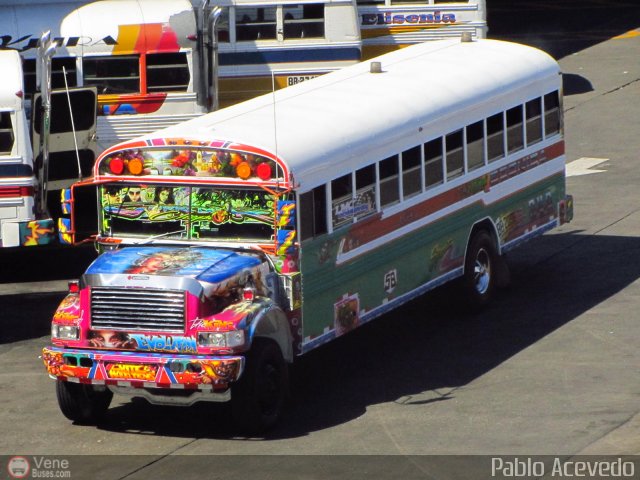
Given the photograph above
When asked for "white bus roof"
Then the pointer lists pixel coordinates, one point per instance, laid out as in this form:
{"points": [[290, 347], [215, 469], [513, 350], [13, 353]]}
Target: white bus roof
{"points": [[11, 85], [323, 128]]}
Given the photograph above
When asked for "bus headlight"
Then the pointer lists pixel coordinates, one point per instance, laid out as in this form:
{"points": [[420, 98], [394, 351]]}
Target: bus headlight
{"points": [[65, 332], [234, 338]]}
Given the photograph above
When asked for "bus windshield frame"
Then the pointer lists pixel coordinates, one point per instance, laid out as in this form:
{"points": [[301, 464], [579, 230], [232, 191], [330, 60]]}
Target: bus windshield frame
{"points": [[187, 212]]}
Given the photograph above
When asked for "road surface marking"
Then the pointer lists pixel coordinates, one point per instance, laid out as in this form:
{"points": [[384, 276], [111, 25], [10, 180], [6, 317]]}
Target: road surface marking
{"points": [[583, 166]]}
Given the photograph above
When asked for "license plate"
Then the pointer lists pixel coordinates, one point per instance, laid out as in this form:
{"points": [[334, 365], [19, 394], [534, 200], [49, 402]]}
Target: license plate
{"points": [[295, 79], [131, 371]]}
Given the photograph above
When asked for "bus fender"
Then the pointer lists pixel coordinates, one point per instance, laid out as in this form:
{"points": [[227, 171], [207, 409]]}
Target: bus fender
{"points": [[503, 278], [271, 322]]}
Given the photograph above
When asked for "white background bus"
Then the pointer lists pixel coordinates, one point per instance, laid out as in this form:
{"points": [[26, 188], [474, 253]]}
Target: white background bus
{"points": [[326, 204], [23, 217], [386, 25]]}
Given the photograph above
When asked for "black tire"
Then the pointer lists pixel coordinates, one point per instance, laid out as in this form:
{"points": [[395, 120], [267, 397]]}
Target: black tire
{"points": [[258, 397], [82, 403], [480, 270]]}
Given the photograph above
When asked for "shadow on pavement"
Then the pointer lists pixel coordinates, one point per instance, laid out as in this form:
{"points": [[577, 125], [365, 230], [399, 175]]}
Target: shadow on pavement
{"points": [[37, 264], [573, 84], [561, 27], [428, 349]]}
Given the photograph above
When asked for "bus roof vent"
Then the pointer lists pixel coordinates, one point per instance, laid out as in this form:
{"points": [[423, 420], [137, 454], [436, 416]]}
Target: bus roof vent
{"points": [[375, 67], [466, 37]]}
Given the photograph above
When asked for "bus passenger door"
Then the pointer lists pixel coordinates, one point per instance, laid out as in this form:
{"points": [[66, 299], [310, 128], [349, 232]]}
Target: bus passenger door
{"points": [[72, 150], [72, 129]]}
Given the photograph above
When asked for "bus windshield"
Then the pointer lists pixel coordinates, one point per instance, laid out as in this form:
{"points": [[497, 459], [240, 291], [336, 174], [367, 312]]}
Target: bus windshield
{"points": [[187, 212]]}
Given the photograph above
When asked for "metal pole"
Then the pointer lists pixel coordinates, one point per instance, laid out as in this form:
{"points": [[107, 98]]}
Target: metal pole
{"points": [[213, 18], [46, 50]]}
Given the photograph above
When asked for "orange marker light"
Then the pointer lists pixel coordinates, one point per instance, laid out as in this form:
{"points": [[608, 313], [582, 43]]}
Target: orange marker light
{"points": [[243, 170], [135, 166]]}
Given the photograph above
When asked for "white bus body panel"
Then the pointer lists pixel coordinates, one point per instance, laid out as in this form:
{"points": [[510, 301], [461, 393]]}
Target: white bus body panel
{"points": [[420, 82], [15, 209]]}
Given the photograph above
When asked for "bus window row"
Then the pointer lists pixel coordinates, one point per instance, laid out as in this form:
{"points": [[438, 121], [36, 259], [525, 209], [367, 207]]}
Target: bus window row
{"points": [[118, 74], [409, 2], [281, 22], [422, 167]]}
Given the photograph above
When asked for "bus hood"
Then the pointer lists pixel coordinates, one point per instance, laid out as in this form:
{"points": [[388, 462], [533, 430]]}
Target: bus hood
{"points": [[208, 266]]}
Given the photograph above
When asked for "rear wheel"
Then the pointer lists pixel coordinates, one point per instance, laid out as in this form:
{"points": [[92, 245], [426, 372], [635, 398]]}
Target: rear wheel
{"points": [[258, 397], [480, 269], [82, 403]]}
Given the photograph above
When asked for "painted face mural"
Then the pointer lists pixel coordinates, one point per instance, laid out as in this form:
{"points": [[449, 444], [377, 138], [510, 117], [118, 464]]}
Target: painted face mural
{"points": [[164, 262], [110, 339]]}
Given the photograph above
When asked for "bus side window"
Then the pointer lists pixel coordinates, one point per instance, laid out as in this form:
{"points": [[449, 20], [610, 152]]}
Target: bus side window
{"points": [[551, 113], [313, 217], [389, 185], [495, 137], [455, 154], [433, 174], [303, 21], [6, 133], [341, 200], [112, 74], [475, 145], [515, 138], [411, 178], [222, 27], [365, 191], [533, 112], [255, 23], [59, 66], [167, 72]]}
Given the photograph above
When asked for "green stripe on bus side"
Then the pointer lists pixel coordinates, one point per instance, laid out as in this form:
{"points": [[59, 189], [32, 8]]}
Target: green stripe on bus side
{"points": [[417, 257]]}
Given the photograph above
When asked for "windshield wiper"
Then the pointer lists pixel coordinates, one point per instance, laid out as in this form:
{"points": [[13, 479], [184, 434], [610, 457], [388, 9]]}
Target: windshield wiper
{"points": [[154, 237]]}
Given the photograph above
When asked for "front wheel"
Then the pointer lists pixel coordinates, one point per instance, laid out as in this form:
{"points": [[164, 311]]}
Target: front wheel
{"points": [[82, 403], [258, 397], [480, 270]]}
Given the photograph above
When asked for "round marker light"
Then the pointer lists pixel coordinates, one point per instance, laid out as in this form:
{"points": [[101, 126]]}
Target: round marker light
{"points": [[116, 165], [135, 166], [243, 170], [263, 171]]}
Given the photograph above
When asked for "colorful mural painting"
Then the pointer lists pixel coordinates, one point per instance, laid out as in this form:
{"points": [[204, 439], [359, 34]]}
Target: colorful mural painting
{"points": [[191, 162], [137, 370]]}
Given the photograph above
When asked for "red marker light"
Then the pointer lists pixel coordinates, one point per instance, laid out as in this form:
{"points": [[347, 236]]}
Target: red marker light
{"points": [[116, 165], [263, 171], [74, 286]]}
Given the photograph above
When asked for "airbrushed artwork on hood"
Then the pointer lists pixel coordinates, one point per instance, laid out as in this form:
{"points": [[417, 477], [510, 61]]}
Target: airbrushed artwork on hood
{"points": [[204, 264]]}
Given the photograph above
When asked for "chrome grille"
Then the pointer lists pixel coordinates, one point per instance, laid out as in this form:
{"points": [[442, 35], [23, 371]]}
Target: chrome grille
{"points": [[133, 309]]}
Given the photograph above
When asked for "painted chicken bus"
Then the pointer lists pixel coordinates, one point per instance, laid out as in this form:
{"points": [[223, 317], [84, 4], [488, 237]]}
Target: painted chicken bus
{"points": [[235, 242]]}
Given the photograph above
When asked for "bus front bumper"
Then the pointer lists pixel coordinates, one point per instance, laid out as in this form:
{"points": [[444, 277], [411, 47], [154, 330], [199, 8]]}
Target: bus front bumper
{"points": [[142, 370]]}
